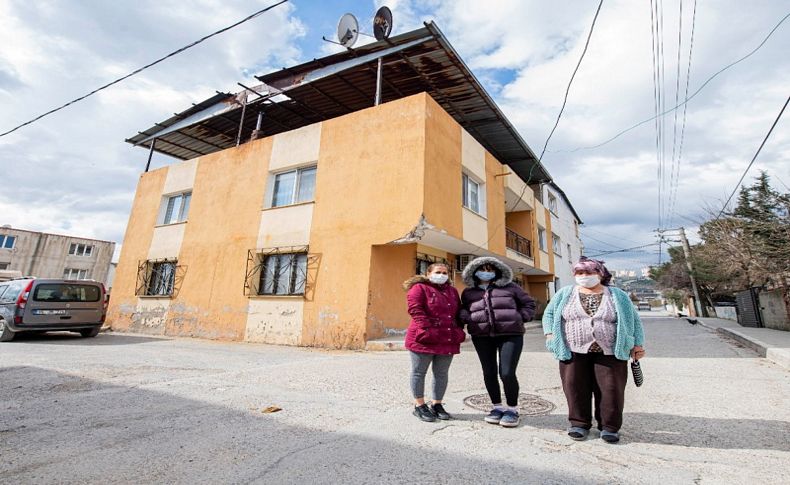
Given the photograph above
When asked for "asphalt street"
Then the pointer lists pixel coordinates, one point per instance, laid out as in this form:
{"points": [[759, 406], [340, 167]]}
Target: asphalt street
{"points": [[126, 408]]}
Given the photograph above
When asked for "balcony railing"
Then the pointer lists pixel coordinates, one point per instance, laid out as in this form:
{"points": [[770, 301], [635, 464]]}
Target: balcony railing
{"points": [[518, 243]]}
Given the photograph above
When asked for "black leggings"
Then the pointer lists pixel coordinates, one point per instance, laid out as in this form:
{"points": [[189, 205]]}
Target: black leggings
{"points": [[509, 349]]}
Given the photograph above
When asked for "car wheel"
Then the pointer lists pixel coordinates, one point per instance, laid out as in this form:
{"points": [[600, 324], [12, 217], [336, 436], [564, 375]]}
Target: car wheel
{"points": [[91, 332], [6, 335]]}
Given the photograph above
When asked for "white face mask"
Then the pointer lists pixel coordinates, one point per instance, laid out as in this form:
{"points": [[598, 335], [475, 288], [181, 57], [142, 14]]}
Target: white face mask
{"points": [[437, 278], [588, 281]]}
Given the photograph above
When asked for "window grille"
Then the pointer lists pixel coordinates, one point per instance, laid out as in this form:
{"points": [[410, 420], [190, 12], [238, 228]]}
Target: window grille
{"points": [[162, 277], [283, 271]]}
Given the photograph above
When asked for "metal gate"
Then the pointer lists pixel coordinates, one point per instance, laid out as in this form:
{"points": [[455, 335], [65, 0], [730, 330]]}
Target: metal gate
{"points": [[748, 305]]}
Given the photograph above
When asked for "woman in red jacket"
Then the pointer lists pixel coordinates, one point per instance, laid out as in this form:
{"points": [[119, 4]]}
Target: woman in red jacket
{"points": [[433, 336]]}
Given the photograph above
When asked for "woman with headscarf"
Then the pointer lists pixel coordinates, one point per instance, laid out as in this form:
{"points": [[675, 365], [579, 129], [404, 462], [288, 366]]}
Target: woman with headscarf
{"points": [[593, 329]]}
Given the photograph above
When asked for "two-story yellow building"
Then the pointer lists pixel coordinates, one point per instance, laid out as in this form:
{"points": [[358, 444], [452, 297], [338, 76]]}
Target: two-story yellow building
{"points": [[300, 205]]}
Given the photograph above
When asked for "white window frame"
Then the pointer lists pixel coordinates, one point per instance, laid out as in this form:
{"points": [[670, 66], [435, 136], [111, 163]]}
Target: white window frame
{"points": [[181, 213], [4, 239], [467, 181], [75, 274], [542, 239], [556, 244], [297, 185], [552, 204], [81, 250]]}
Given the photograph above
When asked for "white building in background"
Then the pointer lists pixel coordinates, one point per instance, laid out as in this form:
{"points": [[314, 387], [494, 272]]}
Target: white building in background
{"points": [[564, 237]]}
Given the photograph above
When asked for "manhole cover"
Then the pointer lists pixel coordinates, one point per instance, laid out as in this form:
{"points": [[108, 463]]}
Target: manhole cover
{"points": [[528, 404]]}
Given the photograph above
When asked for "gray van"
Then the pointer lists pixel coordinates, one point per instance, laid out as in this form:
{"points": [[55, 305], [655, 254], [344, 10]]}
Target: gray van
{"points": [[40, 305]]}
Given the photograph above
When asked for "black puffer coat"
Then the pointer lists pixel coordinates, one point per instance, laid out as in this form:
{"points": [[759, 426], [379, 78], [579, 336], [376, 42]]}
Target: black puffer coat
{"points": [[500, 309]]}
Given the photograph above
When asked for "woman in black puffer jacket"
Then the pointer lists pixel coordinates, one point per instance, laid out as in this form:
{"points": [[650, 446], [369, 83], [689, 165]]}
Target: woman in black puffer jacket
{"points": [[494, 310]]}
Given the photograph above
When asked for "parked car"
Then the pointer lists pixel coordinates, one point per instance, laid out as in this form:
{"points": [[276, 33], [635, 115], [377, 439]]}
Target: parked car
{"points": [[643, 305], [40, 305]]}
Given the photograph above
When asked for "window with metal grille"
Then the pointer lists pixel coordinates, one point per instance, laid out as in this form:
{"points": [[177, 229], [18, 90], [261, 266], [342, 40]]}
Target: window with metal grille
{"points": [[294, 187], [162, 279], [177, 208], [75, 274], [283, 274], [425, 260]]}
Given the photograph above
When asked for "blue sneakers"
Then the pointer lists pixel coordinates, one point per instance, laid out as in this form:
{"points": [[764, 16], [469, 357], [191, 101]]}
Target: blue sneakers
{"points": [[509, 419], [494, 416]]}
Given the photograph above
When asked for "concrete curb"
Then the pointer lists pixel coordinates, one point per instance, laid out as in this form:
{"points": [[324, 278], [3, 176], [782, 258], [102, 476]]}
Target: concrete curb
{"points": [[396, 343], [778, 356]]}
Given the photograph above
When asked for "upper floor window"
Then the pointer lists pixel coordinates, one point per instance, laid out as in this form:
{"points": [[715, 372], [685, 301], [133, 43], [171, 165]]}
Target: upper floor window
{"points": [[542, 239], [75, 274], [552, 204], [7, 242], [471, 194], [569, 253], [80, 249], [4, 266], [294, 187], [177, 208], [556, 244]]}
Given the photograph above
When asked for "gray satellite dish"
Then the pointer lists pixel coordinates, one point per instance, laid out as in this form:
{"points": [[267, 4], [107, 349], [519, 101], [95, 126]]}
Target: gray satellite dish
{"points": [[382, 23], [347, 30]]}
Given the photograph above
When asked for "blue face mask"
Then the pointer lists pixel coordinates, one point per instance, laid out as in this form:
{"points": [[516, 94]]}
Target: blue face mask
{"points": [[485, 275]]}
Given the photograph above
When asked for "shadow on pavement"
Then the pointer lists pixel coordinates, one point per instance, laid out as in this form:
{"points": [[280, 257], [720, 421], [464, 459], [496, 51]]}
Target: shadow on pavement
{"points": [[70, 338], [59, 427], [697, 432]]}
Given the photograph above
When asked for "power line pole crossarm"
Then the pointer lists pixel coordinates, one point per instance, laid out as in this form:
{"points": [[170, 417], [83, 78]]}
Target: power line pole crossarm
{"points": [[700, 309]]}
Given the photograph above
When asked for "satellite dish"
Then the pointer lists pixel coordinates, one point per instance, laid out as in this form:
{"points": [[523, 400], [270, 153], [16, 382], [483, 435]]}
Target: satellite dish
{"points": [[347, 30], [382, 23]]}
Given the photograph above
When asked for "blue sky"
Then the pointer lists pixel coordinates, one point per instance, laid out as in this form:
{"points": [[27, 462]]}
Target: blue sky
{"points": [[73, 173]]}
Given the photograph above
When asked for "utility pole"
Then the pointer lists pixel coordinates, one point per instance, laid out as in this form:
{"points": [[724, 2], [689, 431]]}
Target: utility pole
{"points": [[687, 253]]}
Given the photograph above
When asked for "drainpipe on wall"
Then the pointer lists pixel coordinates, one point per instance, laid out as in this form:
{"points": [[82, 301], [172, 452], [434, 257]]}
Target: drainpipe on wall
{"points": [[35, 256]]}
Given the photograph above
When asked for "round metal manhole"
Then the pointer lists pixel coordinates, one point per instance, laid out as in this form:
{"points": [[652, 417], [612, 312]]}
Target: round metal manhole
{"points": [[528, 404]]}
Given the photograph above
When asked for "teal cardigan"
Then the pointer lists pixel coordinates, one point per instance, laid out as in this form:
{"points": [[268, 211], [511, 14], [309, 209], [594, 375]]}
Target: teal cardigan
{"points": [[629, 327]]}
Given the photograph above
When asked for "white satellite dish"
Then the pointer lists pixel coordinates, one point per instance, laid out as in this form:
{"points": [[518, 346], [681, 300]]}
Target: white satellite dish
{"points": [[347, 30]]}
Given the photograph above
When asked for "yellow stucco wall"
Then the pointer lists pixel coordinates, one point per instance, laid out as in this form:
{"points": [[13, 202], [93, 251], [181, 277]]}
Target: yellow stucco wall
{"points": [[136, 242], [495, 195], [223, 226], [357, 206], [390, 266], [442, 167]]}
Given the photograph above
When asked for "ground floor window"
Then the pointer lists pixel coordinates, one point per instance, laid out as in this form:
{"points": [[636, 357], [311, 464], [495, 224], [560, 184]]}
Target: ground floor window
{"points": [[425, 260], [75, 274], [280, 271], [159, 277], [283, 274]]}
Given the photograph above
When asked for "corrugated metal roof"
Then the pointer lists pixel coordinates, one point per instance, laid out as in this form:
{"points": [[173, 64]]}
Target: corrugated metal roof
{"points": [[418, 61]]}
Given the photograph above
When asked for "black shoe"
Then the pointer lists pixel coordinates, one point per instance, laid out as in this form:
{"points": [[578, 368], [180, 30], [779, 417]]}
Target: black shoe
{"points": [[610, 436], [440, 413], [424, 413]]}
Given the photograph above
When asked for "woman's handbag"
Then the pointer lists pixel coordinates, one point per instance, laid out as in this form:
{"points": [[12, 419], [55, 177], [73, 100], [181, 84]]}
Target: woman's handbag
{"points": [[636, 370]]}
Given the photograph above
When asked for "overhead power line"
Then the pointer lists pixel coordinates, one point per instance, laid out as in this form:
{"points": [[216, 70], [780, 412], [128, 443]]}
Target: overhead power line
{"points": [[556, 123], [618, 135], [626, 250], [753, 158], [137, 71]]}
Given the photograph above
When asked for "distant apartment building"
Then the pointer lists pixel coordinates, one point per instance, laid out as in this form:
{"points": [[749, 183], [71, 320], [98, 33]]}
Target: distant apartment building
{"points": [[44, 255], [294, 219], [562, 234]]}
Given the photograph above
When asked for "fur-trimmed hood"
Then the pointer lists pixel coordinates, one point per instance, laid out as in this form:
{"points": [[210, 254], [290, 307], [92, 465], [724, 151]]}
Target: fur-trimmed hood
{"points": [[414, 280], [474, 265]]}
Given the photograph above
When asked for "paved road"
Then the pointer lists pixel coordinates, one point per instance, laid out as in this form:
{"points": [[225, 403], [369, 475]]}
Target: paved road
{"points": [[123, 408]]}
